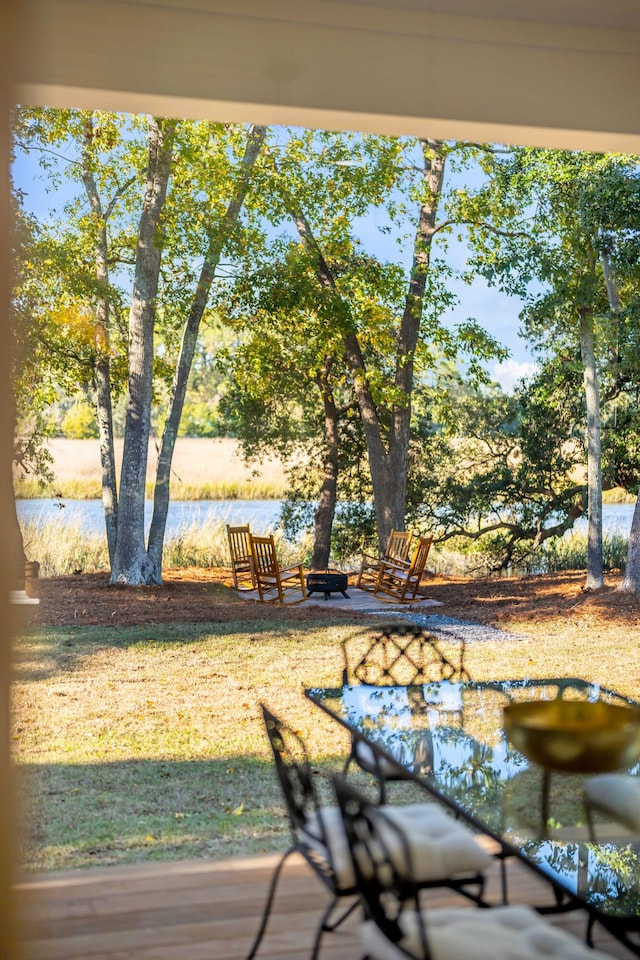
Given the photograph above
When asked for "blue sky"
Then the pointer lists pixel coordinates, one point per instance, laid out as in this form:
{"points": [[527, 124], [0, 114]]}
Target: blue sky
{"points": [[495, 311]]}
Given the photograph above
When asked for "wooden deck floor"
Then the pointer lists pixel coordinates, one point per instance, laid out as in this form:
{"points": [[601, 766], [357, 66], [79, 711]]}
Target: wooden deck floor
{"points": [[200, 910]]}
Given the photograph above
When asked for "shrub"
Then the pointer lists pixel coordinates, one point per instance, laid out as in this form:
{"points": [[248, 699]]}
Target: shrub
{"points": [[79, 423]]}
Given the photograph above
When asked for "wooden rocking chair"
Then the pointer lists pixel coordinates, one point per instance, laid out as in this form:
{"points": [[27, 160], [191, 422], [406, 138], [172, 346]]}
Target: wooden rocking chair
{"points": [[273, 581], [400, 580], [397, 552], [241, 558]]}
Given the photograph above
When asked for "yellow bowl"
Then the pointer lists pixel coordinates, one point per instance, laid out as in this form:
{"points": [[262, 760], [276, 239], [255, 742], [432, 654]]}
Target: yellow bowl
{"points": [[575, 736]]}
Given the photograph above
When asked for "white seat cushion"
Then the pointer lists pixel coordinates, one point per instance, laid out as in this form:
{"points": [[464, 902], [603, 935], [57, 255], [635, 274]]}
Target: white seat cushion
{"points": [[617, 794], [500, 933], [440, 847]]}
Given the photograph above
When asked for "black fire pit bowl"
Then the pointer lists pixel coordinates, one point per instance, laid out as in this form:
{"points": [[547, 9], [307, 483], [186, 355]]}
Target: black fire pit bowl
{"points": [[328, 582]]}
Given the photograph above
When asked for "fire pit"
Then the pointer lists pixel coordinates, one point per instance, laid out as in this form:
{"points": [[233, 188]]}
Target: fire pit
{"points": [[327, 582]]}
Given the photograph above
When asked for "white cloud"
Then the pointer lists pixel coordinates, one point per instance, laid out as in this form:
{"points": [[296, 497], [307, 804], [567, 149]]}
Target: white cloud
{"points": [[510, 371]]}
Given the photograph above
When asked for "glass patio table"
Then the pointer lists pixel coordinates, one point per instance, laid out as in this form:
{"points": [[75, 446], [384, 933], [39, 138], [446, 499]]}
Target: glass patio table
{"points": [[449, 738]]}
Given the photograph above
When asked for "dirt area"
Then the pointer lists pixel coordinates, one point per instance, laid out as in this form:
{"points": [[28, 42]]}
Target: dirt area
{"points": [[198, 595]]}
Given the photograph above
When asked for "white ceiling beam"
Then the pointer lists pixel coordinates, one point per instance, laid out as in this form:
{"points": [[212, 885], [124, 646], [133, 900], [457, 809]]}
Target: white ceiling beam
{"points": [[364, 66]]}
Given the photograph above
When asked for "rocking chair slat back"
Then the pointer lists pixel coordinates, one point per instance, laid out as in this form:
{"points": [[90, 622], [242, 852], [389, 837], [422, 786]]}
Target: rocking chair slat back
{"points": [[241, 559], [273, 581], [397, 551], [400, 580]]}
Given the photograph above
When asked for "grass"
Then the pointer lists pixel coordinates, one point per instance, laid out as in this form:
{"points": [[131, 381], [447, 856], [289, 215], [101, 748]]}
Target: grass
{"points": [[201, 470], [147, 743], [141, 745], [62, 547], [90, 489]]}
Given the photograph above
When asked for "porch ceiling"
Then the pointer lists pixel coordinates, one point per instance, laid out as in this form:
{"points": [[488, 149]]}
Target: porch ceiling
{"points": [[549, 72]]}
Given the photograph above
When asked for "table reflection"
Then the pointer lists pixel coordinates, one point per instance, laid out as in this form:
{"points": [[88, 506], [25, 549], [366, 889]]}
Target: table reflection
{"points": [[450, 737]]}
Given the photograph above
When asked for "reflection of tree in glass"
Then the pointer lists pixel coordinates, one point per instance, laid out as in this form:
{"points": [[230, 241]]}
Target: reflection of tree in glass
{"points": [[395, 718], [618, 871], [604, 875], [465, 770]]}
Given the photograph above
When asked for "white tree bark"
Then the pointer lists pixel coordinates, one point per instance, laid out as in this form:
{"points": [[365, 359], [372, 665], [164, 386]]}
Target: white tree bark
{"points": [[131, 564], [595, 579], [631, 580], [254, 145]]}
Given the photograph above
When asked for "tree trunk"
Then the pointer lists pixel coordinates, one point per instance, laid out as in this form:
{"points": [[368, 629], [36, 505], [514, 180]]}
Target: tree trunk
{"points": [[217, 241], [595, 579], [398, 466], [389, 466], [131, 564], [329, 490], [102, 364], [631, 580], [377, 454]]}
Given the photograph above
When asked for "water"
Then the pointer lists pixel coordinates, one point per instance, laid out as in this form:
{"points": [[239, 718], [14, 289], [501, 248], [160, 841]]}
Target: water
{"points": [[616, 518], [262, 515]]}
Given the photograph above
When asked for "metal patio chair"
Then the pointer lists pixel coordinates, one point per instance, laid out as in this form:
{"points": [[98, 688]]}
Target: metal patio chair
{"points": [[395, 654], [313, 831], [398, 548], [397, 925], [241, 559], [448, 852]]}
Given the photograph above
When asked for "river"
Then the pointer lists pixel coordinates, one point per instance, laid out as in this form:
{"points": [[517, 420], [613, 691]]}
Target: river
{"points": [[262, 515]]}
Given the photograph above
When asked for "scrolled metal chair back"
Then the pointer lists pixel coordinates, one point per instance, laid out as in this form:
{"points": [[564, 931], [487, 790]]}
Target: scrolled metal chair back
{"points": [[398, 654], [294, 771]]}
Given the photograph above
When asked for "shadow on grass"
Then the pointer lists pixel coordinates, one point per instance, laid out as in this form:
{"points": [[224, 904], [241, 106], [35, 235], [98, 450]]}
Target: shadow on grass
{"points": [[45, 652], [99, 814], [137, 811]]}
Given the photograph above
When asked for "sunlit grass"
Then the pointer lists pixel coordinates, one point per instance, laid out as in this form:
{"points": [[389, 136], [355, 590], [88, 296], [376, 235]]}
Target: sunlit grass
{"points": [[63, 547], [89, 489], [201, 470], [147, 743]]}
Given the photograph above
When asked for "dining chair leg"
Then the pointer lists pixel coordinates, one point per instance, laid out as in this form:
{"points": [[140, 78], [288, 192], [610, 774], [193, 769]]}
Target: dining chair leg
{"points": [[503, 880], [330, 927], [326, 927], [267, 907]]}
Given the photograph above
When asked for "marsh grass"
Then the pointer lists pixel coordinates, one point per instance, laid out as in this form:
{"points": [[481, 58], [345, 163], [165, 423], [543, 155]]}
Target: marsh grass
{"points": [[562, 553], [61, 547], [202, 470], [89, 489], [147, 743], [570, 552]]}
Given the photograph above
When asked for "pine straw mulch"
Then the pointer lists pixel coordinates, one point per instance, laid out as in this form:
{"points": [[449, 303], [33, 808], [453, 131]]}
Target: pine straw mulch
{"points": [[557, 601]]}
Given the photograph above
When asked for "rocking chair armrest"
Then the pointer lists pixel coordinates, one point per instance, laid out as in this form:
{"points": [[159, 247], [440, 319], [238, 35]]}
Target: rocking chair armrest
{"points": [[402, 565], [296, 566], [369, 558]]}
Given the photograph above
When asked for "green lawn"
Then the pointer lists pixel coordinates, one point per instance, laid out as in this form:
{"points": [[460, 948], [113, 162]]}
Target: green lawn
{"points": [[147, 743]]}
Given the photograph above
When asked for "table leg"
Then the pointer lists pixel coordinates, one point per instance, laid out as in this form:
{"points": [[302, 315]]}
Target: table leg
{"points": [[546, 785]]}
